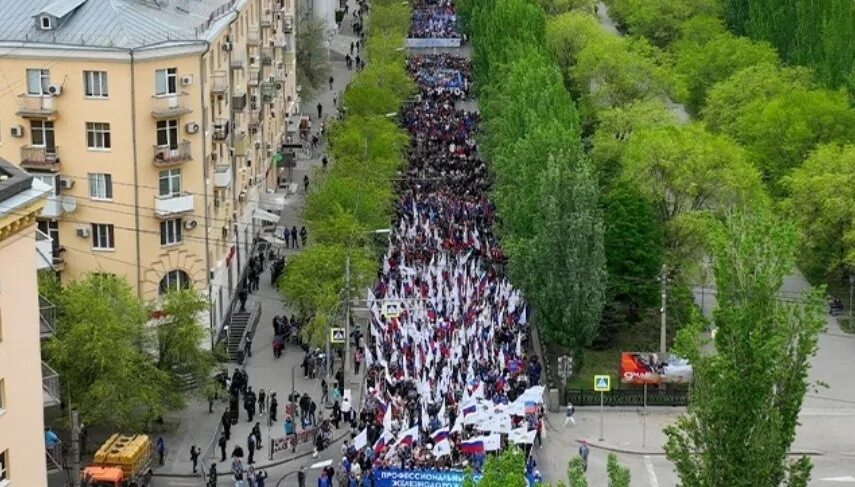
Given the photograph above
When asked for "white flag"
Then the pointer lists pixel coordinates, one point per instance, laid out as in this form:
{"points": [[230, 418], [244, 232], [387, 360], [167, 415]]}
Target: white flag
{"points": [[442, 448], [361, 440]]}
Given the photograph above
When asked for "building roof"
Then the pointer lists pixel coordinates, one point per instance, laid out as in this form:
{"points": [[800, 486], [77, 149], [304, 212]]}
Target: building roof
{"points": [[123, 24], [18, 189]]}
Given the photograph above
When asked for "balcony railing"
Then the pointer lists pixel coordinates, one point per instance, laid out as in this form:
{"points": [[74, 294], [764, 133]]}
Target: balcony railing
{"points": [[237, 61], [252, 79], [44, 250], [288, 23], [267, 19], [51, 392], [170, 206], [170, 106], [252, 36], [220, 129], [166, 155], [53, 458], [266, 56], [253, 118], [47, 315], [40, 158], [241, 145], [239, 101], [36, 106], [223, 176], [219, 83]]}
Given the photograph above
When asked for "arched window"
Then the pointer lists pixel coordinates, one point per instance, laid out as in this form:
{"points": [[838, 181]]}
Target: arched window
{"points": [[174, 280]]}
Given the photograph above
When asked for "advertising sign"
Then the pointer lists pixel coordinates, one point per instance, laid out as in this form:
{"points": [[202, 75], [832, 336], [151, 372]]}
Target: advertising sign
{"points": [[641, 368]]}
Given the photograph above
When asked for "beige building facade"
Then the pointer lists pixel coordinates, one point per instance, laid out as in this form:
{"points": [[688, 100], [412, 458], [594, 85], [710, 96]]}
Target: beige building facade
{"points": [[22, 444], [156, 123]]}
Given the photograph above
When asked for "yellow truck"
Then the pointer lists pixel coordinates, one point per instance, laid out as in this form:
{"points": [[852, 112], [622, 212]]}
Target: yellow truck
{"points": [[122, 461]]}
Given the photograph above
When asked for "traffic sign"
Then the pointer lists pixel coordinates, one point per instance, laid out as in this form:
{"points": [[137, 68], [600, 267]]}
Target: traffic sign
{"points": [[391, 309], [602, 383], [337, 335]]}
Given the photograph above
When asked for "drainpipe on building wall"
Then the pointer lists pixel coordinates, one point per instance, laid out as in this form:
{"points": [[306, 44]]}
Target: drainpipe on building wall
{"points": [[136, 174], [212, 325]]}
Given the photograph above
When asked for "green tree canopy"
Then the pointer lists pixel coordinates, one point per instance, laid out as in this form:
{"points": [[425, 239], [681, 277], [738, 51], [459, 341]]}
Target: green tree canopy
{"points": [[747, 393], [568, 34], [504, 470], [704, 64], [101, 350], [618, 476], [313, 65], [180, 336], [730, 101], [822, 192], [660, 21]]}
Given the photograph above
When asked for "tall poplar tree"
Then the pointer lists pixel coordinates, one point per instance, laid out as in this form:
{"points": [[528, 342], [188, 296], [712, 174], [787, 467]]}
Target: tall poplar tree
{"points": [[747, 393]]}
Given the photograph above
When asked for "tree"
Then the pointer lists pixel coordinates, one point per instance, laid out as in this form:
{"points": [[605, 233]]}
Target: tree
{"points": [[821, 195], [702, 65], [747, 393], [313, 64], [391, 19], [780, 134], [730, 101], [563, 265], [101, 350], [505, 470], [660, 21], [576, 473], [618, 476], [616, 126], [179, 336], [569, 33]]}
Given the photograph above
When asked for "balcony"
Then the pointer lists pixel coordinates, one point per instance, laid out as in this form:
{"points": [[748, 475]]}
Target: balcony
{"points": [[254, 75], [288, 23], [173, 205], [220, 129], [53, 208], [266, 56], [44, 251], [252, 36], [40, 158], [237, 61], [166, 155], [223, 176], [254, 118], [219, 83], [239, 101], [51, 395], [47, 315], [36, 107], [241, 145], [284, 42], [170, 106], [267, 19]]}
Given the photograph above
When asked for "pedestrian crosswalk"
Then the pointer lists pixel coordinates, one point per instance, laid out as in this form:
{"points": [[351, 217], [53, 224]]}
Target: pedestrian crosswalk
{"points": [[341, 44]]}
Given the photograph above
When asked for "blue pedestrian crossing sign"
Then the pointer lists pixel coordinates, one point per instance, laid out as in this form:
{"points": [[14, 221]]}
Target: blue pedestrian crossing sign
{"points": [[602, 383]]}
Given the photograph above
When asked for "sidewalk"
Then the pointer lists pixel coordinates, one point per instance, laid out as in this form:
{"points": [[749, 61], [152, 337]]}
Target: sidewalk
{"points": [[198, 427]]}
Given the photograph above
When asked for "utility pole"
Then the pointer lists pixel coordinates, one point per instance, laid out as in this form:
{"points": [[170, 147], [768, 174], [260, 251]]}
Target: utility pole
{"points": [[346, 319], [663, 288], [75, 449]]}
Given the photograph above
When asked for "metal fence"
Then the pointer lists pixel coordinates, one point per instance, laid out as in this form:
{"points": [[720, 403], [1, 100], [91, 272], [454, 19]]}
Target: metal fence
{"points": [[629, 397]]}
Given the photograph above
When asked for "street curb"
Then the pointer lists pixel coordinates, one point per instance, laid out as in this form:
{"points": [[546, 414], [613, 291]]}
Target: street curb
{"points": [[257, 466], [629, 451]]}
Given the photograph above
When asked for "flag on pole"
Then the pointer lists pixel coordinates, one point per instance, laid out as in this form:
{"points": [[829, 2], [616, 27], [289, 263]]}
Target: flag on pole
{"points": [[471, 447], [442, 448], [409, 436], [381, 442], [361, 440], [439, 435]]}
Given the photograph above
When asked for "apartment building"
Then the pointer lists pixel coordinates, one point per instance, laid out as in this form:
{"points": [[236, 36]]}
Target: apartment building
{"points": [[22, 444], [156, 123]]}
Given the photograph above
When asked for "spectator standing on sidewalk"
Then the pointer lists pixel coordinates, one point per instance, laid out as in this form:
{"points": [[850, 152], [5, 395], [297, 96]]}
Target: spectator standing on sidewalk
{"points": [[250, 445], [262, 397], [320, 110], [161, 450], [331, 80], [583, 453], [194, 457], [274, 404], [568, 415], [222, 444]]}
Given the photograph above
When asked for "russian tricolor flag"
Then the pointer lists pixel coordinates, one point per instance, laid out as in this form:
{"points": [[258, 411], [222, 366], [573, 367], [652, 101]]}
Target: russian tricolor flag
{"points": [[530, 407], [439, 435], [409, 436], [381, 406], [471, 447], [469, 410], [382, 442]]}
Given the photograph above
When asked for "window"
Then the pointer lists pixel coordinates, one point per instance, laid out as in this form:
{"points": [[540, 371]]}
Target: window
{"points": [[97, 135], [167, 133], [45, 22], [170, 232], [95, 83], [165, 81], [101, 186], [102, 236], [42, 134], [5, 476], [170, 182], [38, 81], [174, 280]]}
